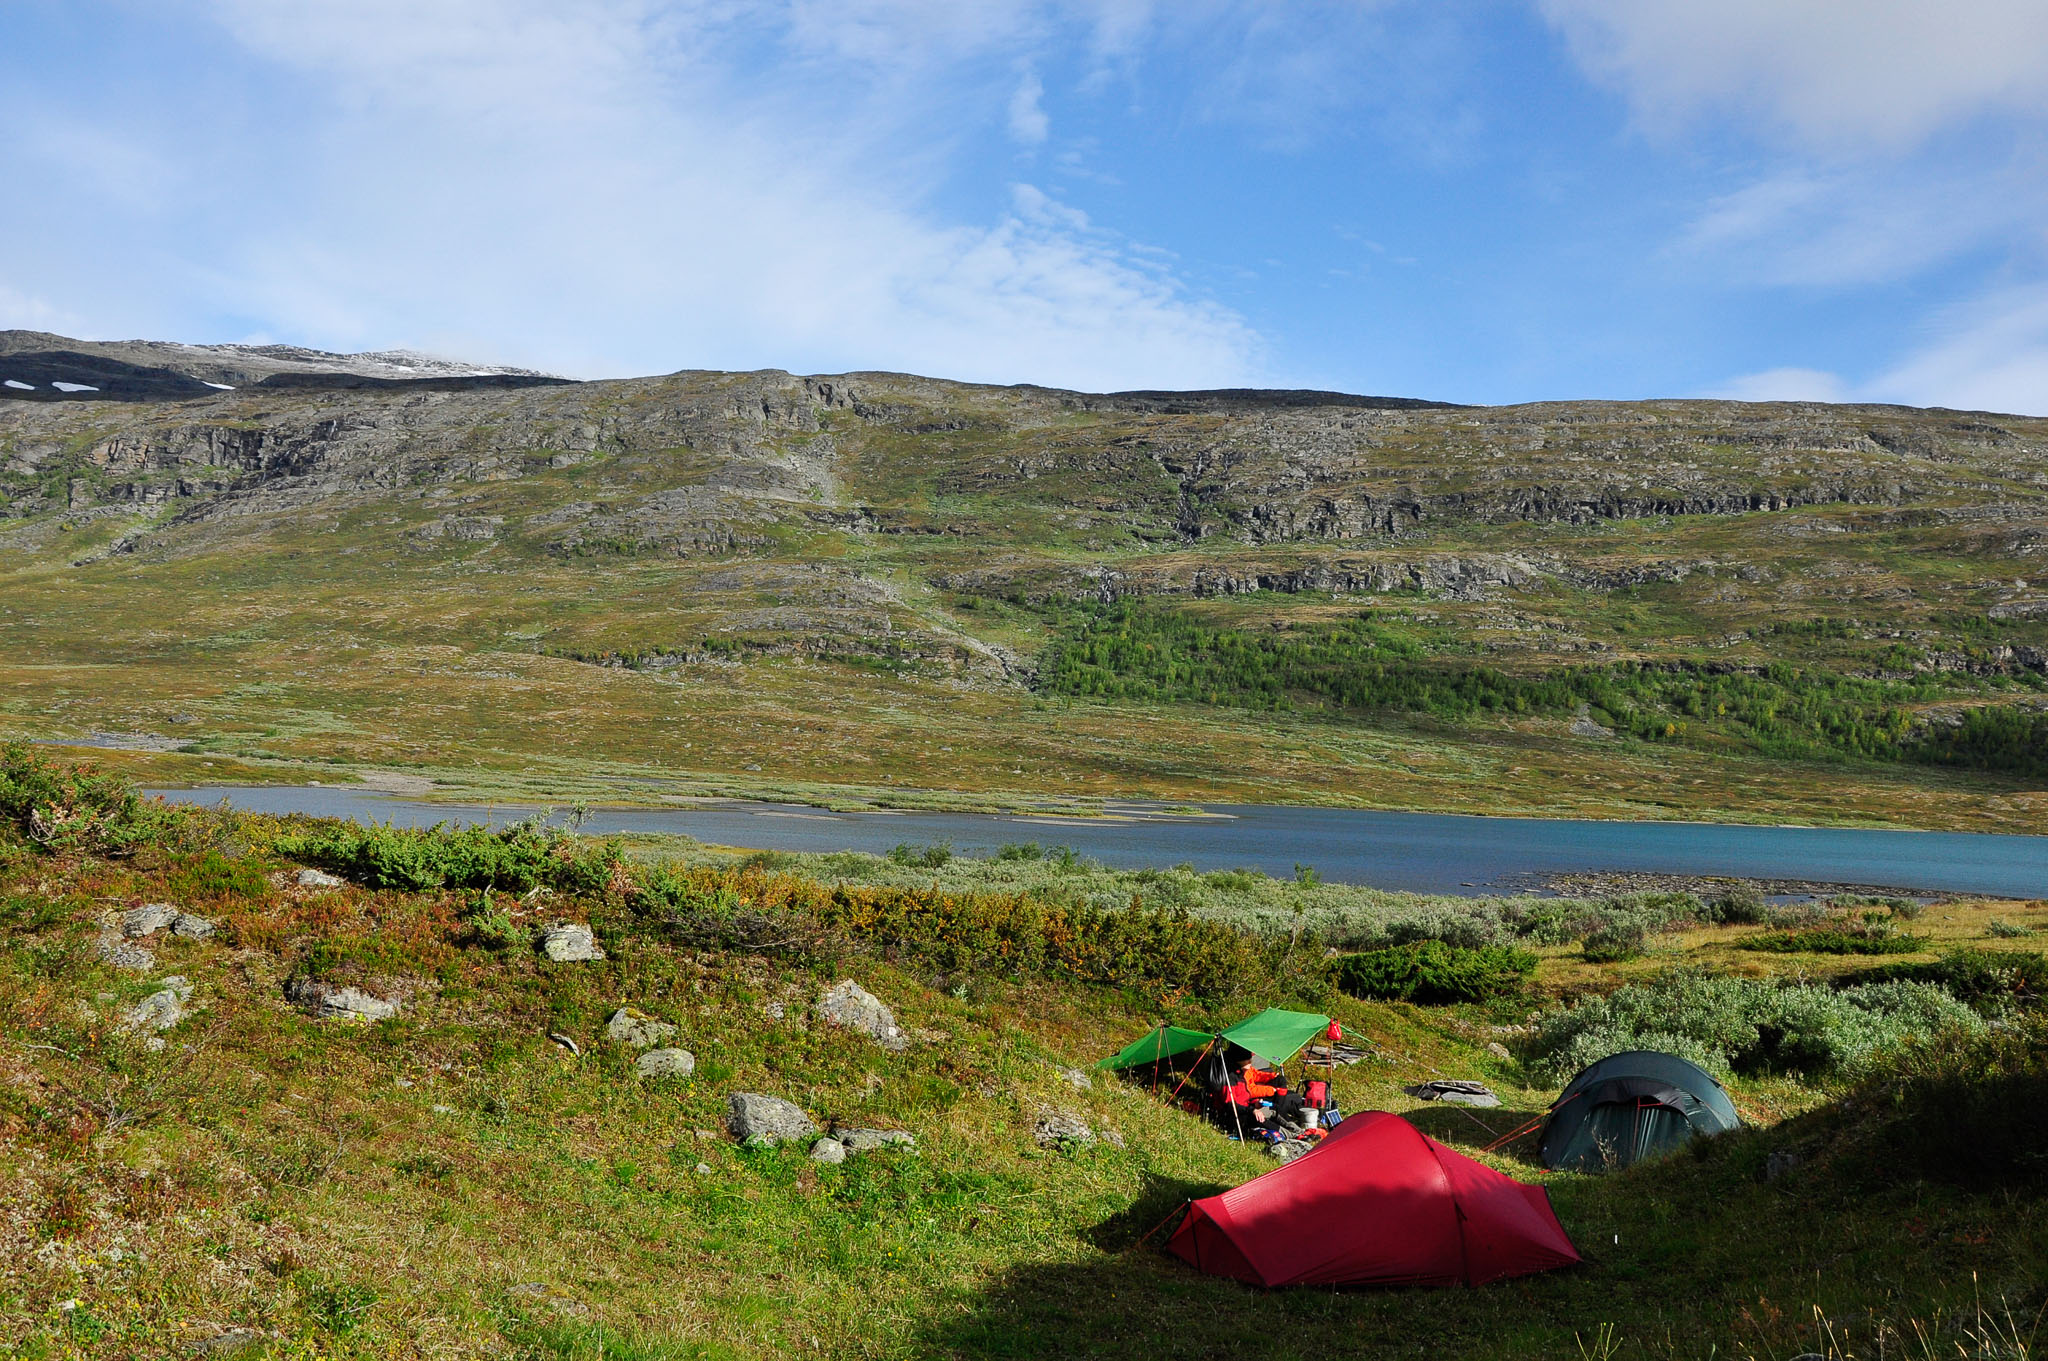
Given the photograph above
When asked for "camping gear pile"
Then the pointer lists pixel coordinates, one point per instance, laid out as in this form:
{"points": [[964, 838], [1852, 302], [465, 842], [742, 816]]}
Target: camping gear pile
{"points": [[1237, 1077]]}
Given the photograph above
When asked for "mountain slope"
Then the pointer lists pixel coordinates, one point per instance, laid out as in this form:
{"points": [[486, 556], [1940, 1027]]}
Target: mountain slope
{"points": [[851, 583]]}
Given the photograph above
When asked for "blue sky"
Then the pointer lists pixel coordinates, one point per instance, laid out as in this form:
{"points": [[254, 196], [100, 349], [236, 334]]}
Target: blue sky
{"points": [[1476, 200]]}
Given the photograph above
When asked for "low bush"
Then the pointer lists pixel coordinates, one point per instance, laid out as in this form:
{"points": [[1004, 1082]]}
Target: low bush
{"points": [[2001, 929], [1995, 982], [1614, 943], [1966, 1112], [1740, 906], [1432, 973], [210, 874], [68, 807], [931, 857], [516, 859], [1836, 941], [1752, 1025], [1160, 949]]}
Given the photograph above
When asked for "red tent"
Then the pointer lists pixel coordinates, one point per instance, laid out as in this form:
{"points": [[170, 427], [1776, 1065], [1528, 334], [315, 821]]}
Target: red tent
{"points": [[1376, 1203]]}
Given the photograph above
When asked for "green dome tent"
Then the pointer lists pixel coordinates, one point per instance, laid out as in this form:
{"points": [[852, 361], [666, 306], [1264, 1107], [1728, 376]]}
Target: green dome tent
{"points": [[1628, 1107]]}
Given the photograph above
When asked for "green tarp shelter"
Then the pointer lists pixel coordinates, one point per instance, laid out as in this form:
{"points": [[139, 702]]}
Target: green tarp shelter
{"points": [[1628, 1107], [1277, 1035], [1157, 1045], [1273, 1035]]}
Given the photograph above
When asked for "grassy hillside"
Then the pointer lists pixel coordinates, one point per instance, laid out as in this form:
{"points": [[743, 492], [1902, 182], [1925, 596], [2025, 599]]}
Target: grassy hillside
{"points": [[884, 589], [453, 1182]]}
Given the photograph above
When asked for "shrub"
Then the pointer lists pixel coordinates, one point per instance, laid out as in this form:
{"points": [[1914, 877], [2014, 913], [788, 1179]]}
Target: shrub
{"points": [[1995, 982], [2005, 930], [930, 857], [71, 807], [1432, 973], [1740, 906], [518, 858], [1613, 943], [1021, 850], [1962, 1112], [1752, 1025], [1869, 940]]}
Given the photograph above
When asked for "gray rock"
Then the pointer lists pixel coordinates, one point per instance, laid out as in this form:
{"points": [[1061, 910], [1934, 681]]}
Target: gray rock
{"points": [[770, 1119], [868, 1140], [1480, 1099], [1584, 726], [570, 943], [318, 879], [1498, 1050], [147, 920], [191, 927], [567, 1042], [1780, 1163], [666, 1063], [331, 1002], [850, 1006], [122, 955], [828, 1151], [703, 1169], [634, 1027], [1077, 1079], [160, 1010], [1287, 1150], [1056, 1129]]}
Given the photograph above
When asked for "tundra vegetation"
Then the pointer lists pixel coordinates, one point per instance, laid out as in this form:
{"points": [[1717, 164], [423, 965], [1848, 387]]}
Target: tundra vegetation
{"points": [[457, 1180], [880, 589]]}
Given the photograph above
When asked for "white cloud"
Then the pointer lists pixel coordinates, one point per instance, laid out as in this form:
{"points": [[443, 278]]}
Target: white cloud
{"points": [[608, 188], [1868, 223], [1833, 73], [1785, 385], [1028, 121], [1991, 355]]}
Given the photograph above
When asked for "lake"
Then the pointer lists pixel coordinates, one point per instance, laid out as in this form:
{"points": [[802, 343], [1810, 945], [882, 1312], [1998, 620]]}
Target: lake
{"points": [[1424, 852]]}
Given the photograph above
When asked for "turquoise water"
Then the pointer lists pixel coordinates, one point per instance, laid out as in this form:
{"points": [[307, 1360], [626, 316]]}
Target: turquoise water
{"points": [[1424, 852]]}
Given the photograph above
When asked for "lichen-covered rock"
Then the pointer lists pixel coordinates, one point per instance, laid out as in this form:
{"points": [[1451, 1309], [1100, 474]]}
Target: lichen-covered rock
{"points": [[828, 1151], [635, 1028], [318, 879], [868, 1140], [848, 1005], [666, 1063], [332, 1002], [191, 927], [1287, 1150], [1077, 1079], [147, 920], [160, 1010], [122, 954], [570, 943], [769, 1119], [1058, 1129]]}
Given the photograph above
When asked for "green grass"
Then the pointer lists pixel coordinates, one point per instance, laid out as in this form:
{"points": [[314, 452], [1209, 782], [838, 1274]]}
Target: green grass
{"points": [[452, 1182]]}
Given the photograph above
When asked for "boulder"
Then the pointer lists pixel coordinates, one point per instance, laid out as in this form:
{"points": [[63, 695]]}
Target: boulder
{"points": [[1060, 1129], [770, 1119], [828, 1151], [318, 879], [1077, 1079], [634, 1027], [1457, 1091], [147, 920], [570, 943], [666, 1063], [122, 955], [191, 927], [850, 1006], [1498, 1050], [332, 1002], [160, 1010], [868, 1140]]}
